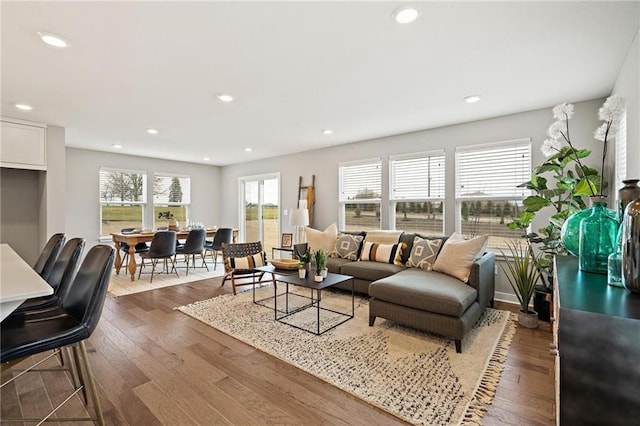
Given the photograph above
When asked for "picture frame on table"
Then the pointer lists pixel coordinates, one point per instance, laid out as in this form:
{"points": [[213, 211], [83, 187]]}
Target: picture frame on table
{"points": [[286, 241]]}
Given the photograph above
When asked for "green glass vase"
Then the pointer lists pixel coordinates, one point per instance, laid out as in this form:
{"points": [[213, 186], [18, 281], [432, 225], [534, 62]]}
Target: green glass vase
{"points": [[570, 232], [597, 237]]}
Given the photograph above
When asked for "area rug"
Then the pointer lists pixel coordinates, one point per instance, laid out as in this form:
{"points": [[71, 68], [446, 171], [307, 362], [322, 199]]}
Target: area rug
{"points": [[121, 285], [415, 376]]}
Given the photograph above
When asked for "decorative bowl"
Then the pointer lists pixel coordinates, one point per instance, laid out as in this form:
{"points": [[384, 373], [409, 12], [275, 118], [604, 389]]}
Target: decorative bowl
{"points": [[289, 264]]}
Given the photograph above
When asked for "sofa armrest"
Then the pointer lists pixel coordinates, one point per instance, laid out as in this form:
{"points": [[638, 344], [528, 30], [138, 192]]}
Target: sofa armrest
{"points": [[483, 279]]}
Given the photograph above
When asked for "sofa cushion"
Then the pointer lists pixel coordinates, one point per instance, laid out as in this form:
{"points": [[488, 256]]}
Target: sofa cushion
{"points": [[424, 253], [427, 291], [384, 253], [369, 271], [326, 239], [383, 237], [347, 246], [408, 239], [335, 263], [457, 255]]}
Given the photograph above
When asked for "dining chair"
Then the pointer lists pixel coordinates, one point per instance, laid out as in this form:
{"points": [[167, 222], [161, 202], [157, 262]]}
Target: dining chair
{"points": [[192, 246], [60, 278], [163, 246], [222, 236], [139, 248], [240, 261], [69, 324], [49, 255]]}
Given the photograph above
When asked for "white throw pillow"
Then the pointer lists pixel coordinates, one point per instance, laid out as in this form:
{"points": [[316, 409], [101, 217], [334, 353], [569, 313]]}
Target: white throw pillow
{"points": [[383, 237], [457, 255], [322, 239]]}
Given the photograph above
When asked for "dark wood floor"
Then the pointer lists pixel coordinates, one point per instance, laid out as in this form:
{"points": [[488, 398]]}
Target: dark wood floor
{"points": [[155, 365]]}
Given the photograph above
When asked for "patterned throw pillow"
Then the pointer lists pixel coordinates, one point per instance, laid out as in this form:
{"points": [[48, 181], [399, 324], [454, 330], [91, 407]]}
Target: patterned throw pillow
{"points": [[424, 253], [347, 246], [244, 263], [383, 253]]}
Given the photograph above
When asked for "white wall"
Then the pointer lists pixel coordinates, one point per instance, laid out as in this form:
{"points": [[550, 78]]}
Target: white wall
{"points": [[628, 86], [82, 202], [324, 162]]}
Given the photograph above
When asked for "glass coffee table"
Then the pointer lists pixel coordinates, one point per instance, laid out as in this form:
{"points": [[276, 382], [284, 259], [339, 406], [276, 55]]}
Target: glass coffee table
{"points": [[288, 304]]}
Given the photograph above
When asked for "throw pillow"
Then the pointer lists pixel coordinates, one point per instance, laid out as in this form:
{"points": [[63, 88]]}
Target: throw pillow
{"points": [[383, 253], [322, 239], [383, 237], [424, 253], [244, 263], [457, 255], [347, 246]]}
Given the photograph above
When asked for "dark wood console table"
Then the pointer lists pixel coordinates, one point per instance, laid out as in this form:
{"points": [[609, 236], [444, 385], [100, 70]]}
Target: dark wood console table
{"points": [[597, 338]]}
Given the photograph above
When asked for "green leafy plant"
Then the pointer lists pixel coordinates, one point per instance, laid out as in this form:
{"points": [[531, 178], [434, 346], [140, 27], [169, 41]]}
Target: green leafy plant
{"points": [[304, 258], [320, 260], [522, 272]]}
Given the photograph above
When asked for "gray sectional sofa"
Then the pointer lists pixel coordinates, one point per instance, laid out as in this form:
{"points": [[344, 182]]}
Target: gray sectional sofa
{"points": [[426, 300]]}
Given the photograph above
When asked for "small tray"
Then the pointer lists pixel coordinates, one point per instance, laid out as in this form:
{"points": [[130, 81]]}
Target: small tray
{"points": [[288, 264]]}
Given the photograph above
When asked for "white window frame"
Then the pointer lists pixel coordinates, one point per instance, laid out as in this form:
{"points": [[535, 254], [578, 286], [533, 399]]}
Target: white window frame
{"points": [[344, 199], [435, 194], [143, 202], [520, 176], [186, 204]]}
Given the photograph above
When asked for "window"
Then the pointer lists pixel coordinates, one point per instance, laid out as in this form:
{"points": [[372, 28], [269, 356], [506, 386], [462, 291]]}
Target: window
{"points": [[360, 185], [122, 199], [417, 192], [171, 193], [621, 154], [487, 193]]}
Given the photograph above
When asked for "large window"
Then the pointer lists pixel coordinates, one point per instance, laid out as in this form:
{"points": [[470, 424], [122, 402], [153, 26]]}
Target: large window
{"points": [[417, 192], [487, 193], [122, 199], [172, 194], [360, 185]]}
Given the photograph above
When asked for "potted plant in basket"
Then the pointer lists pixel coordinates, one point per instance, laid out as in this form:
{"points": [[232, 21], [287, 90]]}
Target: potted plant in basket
{"points": [[303, 263], [523, 274], [320, 263]]}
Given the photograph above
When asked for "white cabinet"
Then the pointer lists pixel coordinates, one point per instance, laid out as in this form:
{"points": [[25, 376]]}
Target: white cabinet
{"points": [[23, 145]]}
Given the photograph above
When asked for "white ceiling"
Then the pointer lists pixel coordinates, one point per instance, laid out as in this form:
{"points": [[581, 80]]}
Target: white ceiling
{"points": [[296, 68]]}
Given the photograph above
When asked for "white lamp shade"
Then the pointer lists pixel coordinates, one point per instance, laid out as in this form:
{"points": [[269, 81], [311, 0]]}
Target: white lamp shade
{"points": [[299, 217]]}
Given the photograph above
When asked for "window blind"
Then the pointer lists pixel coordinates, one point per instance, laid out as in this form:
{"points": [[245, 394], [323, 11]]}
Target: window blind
{"points": [[493, 171], [171, 190], [360, 181], [417, 177], [122, 186]]}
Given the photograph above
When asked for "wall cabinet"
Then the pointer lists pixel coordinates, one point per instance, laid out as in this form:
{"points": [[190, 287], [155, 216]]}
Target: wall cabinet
{"points": [[23, 145], [597, 339]]}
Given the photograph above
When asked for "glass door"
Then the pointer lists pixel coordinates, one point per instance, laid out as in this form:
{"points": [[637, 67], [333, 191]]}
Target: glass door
{"points": [[260, 210]]}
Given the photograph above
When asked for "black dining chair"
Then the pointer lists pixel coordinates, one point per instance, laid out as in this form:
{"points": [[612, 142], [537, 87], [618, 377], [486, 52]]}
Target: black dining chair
{"points": [[49, 255], [67, 325], [163, 246], [139, 248], [192, 246], [61, 276], [222, 236]]}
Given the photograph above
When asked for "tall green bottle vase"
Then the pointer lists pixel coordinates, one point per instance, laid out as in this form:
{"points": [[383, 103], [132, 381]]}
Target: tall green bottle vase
{"points": [[597, 237]]}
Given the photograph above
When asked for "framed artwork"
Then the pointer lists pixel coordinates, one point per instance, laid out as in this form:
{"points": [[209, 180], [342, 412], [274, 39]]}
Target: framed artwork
{"points": [[286, 241]]}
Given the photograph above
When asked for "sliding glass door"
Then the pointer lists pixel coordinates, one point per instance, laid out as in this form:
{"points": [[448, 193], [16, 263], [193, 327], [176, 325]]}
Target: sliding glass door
{"points": [[260, 209]]}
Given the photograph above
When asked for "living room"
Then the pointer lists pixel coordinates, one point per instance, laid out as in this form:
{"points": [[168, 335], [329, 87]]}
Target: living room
{"points": [[73, 169]]}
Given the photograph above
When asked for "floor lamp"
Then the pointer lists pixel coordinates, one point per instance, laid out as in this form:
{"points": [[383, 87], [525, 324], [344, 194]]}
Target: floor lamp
{"points": [[299, 219]]}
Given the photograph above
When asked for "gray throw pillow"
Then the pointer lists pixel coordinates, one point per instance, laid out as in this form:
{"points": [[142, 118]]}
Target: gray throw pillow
{"points": [[347, 246], [424, 253]]}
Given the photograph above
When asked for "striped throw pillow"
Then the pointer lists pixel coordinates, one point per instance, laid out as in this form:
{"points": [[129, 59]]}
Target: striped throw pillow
{"points": [[245, 263], [383, 253]]}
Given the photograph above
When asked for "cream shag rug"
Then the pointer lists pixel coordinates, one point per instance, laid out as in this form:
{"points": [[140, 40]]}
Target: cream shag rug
{"points": [[416, 376]]}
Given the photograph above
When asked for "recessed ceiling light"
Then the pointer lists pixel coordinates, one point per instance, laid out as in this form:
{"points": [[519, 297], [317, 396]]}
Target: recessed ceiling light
{"points": [[206, 158], [152, 131], [472, 99], [117, 146], [53, 39], [224, 97], [327, 132], [405, 15], [248, 149], [24, 107]]}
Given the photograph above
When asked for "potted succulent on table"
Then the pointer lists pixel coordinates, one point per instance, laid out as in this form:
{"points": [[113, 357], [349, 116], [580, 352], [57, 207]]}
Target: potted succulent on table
{"points": [[303, 263], [320, 263], [523, 274]]}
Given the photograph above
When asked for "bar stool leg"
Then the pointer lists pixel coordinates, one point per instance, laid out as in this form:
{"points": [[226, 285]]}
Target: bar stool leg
{"points": [[92, 385]]}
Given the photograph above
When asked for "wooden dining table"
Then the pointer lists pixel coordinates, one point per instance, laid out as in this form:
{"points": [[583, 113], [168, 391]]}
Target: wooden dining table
{"points": [[18, 281], [145, 237]]}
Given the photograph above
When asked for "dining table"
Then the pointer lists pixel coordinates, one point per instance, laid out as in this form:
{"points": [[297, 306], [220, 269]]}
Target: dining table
{"points": [[18, 281], [131, 239]]}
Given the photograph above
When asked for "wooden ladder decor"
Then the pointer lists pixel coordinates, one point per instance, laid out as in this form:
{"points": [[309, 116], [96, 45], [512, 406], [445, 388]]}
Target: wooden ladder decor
{"points": [[307, 193]]}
